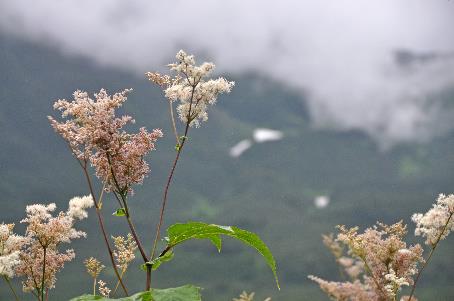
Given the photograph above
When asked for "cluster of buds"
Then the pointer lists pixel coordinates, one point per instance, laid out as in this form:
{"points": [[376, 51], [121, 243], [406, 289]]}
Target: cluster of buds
{"points": [[124, 250], [94, 267], [247, 297]]}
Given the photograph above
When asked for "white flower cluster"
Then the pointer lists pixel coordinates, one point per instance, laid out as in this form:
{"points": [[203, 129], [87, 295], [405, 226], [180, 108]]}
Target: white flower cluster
{"points": [[10, 245], [40, 211], [8, 264], [77, 206], [394, 283], [191, 88], [103, 289], [436, 223]]}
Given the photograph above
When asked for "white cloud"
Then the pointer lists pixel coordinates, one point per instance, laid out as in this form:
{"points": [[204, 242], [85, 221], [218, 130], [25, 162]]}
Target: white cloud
{"points": [[239, 148], [263, 135], [321, 201], [340, 52]]}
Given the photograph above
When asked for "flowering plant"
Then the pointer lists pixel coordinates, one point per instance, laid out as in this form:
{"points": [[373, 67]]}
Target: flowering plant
{"points": [[97, 138], [378, 262]]}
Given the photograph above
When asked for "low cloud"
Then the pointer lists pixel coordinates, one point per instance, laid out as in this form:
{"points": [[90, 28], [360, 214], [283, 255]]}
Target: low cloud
{"points": [[378, 66]]}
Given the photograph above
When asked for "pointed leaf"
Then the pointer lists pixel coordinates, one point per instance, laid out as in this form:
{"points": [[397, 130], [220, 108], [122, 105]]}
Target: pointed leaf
{"points": [[155, 263], [120, 212], [182, 293], [179, 233]]}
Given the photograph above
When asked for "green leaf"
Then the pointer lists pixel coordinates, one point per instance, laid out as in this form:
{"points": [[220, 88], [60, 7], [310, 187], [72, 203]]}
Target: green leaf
{"points": [[179, 233], [182, 293], [120, 212], [158, 261], [168, 256]]}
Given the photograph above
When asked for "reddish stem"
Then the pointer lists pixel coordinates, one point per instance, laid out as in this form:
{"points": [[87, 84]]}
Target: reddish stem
{"points": [[103, 230]]}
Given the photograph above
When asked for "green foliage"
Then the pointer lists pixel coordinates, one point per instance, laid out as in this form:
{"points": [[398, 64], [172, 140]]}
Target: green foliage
{"points": [[182, 293], [179, 233], [119, 212], [155, 263]]}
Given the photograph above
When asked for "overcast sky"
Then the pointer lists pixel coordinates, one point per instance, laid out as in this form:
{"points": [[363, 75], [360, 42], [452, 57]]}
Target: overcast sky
{"points": [[377, 65]]}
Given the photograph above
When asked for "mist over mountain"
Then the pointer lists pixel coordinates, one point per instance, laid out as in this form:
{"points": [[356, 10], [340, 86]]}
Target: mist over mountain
{"points": [[341, 55]]}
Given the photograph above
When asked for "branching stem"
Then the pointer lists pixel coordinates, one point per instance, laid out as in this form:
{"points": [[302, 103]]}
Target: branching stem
{"points": [[123, 200], [101, 224]]}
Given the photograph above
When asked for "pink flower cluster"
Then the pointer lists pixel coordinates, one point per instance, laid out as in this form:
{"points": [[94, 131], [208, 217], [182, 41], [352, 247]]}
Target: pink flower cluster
{"points": [[380, 255], [95, 134], [31, 267], [40, 246], [346, 291]]}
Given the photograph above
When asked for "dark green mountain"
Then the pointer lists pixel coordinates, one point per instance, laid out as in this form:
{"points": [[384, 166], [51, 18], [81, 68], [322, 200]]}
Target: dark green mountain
{"points": [[269, 189]]}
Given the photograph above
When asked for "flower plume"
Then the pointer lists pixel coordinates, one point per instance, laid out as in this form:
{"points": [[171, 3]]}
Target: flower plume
{"points": [[191, 88], [95, 134]]}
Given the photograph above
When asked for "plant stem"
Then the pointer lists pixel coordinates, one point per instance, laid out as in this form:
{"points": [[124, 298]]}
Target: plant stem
{"points": [[122, 193], [118, 283], [148, 281], [164, 200], [136, 238], [98, 213], [434, 246], [172, 118], [11, 287], [169, 180], [368, 269], [103, 230], [94, 286], [44, 274]]}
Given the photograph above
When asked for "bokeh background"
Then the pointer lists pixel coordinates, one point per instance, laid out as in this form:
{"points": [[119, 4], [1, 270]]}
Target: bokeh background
{"points": [[342, 113]]}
